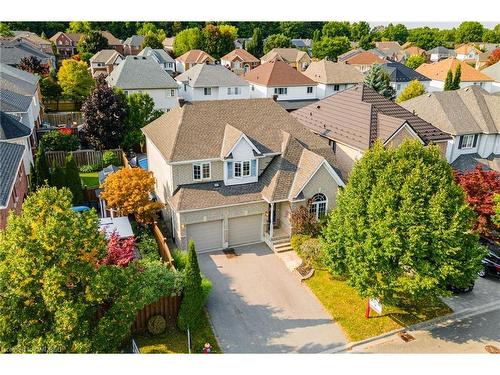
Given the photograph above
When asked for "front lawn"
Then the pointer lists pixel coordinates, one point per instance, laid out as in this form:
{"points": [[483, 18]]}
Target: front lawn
{"points": [[91, 180], [174, 341], [348, 309]]}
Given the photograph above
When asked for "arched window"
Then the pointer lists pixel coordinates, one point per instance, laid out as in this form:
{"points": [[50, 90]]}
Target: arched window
{"points": [[317, 205]]}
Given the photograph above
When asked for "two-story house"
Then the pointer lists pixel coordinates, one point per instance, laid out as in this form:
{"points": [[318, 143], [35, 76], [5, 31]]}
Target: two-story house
{"points": [[440, 53], [66, 43], [13, 50], [471, 116], [294, 57], [211, 82], [277, 79], [467, 52], [332, 77], [363, 60], [493, 71], [104, 61], [400, 76], [140, 74], [166, 61], [42, 44], [13, 180], [240, 61], [191, 58], [231, 171], [469, 76], [14, 131], [355, 118]]}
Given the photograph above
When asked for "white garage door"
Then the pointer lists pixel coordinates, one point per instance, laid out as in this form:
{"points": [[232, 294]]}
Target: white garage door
{"points": [[206, 236], [245, 229]]}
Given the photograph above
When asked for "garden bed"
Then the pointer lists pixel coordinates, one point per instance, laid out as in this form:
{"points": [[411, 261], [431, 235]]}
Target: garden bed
{"points": [[347, 308]]}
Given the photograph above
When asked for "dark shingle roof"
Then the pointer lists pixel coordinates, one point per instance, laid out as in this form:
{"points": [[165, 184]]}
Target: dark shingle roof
{"points": [[17, 80], [12, 51], [11, 155], [401, 73], [11, 128], [13, 102], [468, 162]]}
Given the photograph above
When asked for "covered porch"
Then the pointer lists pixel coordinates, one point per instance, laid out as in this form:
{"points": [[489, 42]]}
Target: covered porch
{"points": [[277, 228]]}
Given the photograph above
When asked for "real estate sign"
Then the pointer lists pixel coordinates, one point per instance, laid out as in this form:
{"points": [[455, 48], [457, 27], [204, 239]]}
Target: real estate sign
{"points": [[375, 305]]}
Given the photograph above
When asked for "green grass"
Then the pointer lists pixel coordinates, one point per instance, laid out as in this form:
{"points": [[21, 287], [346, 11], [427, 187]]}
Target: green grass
{"points": [[90, 179], [174, 341], [348, 309]]}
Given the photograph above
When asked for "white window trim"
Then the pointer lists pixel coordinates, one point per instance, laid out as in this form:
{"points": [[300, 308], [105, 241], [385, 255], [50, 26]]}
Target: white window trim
{"points": [[466, 144], [317, 206], [201, 171], [241, 168], [207, 89]]}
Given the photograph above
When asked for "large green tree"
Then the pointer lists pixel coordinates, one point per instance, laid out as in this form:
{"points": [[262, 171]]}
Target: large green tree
{"points": [[277, 41], [218, 40], [337, 28], [331, 47], [398, 33], [360, 30], [187, 40], [469, 31], [75, 80], [256, 45], [378, 79], [92, 42], [5, 30], [402, 229]]}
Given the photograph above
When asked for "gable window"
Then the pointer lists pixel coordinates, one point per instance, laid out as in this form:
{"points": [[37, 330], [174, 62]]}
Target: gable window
{"points": [[309, 90], [336, 87], [280, 90], [207, 91], [201, 171], [317, 205], [468, 141]]}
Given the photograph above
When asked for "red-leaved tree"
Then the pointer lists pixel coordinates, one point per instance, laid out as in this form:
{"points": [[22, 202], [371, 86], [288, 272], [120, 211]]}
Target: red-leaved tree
{"points": [[120, 251], [480, 186], [494, 57]]}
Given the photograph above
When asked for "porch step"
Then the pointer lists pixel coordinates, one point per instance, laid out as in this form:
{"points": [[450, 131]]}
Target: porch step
{"points": [[282, 247], [280, 240]]}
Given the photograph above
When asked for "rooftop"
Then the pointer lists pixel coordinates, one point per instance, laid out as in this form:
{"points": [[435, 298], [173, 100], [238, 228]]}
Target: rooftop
{"points": [[329, 72], [277, 73], [11, 127], [437, 71], [11, 155], [205, 75]]}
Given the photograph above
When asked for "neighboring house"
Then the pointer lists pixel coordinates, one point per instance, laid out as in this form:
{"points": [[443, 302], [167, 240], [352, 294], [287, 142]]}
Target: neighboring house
{"points": [[404, 54], [279, 80], [467, 52], [104, 61], [20, 96], [192, 58], [240, 42], [363, 60], [168, 44], [166, 61], [482, 59], [332, 77], [240, 61], [66, 43], [294, 57], [471, 116], [469, 76], [43, 45], [143, 74], [400, 76], [349, 54], [211, 82], [440, 53], [13, 180], [354, 119], [391, 49], [13, 50], [231, 171], [133, 45], [14, 131], [493, 71]]}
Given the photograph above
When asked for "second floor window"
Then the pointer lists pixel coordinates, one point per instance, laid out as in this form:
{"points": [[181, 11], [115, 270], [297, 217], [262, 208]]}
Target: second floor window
{"points": [[468, 141], [336, 87], [240, 169], [280, 90], [201, 171], [309, 90], [207, 91]]}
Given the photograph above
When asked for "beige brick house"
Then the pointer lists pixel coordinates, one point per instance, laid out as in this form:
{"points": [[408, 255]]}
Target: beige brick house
{"points": [[231, 171]]}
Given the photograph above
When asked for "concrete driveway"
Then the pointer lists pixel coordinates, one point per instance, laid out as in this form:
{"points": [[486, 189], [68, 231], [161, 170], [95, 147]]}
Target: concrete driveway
{"points": [[486, 292], [258, 306]]}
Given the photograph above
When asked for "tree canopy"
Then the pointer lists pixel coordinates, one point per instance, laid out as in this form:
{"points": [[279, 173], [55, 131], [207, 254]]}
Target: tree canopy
{"points": [[378, 79], [414, 61], [75, 79], [402, 228], [91, 42], [398, 33], [336, 29], [187, 40], [469, 31], [33, 64], [412, 90], [331, 47], [277, 41], [256, 45]]}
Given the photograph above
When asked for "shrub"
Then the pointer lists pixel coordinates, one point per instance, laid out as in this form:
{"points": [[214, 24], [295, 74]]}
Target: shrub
{"points": [[109, 158], [180, 259], [157, 325], [303, 222], [297, 240], [89, 168], [311, 252], [73, 181], [206, 287], [147, 246], [58, 141]]}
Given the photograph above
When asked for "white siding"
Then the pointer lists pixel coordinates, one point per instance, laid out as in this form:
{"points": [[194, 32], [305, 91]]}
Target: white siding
{"points": [[293, 92], [217, 93], [324, 90], [162, 97], [439, 85]]}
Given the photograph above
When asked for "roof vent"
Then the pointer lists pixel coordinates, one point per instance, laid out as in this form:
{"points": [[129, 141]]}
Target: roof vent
{"points": [[216, 185], [318, 107]]}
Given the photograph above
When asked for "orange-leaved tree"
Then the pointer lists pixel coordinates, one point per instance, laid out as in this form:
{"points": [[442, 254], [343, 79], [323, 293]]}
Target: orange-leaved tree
{"points": [[128, 192]]}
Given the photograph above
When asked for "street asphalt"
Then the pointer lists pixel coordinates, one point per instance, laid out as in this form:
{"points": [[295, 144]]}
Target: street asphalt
{"points": [[258, 306]]}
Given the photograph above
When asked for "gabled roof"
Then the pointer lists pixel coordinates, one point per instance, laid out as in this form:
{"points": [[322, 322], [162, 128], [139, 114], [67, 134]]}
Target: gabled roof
{"points": [[75, 37], [12, 51], [241, 54], [288, 55], [11, 155], [401, 73], [160, 54], [139, 72], [470, 110], [112, 40], [359, 115], [493, 71], [437, 71], [106, 56], [13, 102], [168, 42], [414, 50], [392, 45], [441, 51], [277, 73], [466, 48], [207, 75], [18, 80], [364, 58], [11, 127], [32, 37], [348, 54], [195, 56], [134, 41], [328, 72], [232, 137]]}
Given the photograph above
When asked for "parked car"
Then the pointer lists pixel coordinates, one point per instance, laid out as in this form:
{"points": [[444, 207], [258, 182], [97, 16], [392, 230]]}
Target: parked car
{"points": [[491, 263], [459, 290]]}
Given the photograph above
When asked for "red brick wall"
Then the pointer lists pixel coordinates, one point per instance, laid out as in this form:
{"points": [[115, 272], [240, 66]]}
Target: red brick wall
{"points": [[17, 196]]}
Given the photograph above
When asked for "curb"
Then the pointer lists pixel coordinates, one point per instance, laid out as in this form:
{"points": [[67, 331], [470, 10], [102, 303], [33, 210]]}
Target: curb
{"points": [[466, 313]]}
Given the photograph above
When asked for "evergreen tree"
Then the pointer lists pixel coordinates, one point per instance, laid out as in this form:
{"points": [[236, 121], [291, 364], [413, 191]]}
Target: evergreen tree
{"points": [[448, 83], [193, 300], [41, 169], [378, 79], [256, 45], [72, 179], [457, 77], [58, 176]]}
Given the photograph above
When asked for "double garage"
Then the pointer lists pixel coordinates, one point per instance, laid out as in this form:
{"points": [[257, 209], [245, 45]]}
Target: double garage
{"points": [[241, 230]]}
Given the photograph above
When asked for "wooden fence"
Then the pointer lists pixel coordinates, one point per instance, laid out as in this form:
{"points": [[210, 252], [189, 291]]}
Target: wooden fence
{"points": [[82, 157], [63, 118], [162, 246], [168, 307], [61, 105]]}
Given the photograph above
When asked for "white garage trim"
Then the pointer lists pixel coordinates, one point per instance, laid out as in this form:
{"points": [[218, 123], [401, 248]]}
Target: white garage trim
{"points": [[207, 235], [245, 230]]}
